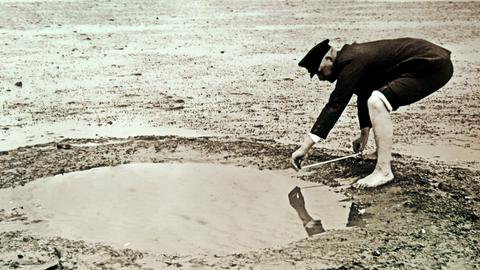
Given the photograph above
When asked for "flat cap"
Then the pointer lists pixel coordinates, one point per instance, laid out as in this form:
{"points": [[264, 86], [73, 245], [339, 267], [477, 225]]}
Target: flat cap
{"points": [[312, 59]]}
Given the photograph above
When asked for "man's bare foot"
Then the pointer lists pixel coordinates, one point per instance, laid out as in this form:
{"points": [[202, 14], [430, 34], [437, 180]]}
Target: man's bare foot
{"points": [[375, 179]]}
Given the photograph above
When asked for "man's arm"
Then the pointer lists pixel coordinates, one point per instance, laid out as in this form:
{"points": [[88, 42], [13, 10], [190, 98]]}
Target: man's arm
{"points": [[337, 102], [312, 226], [362, 112], [360, 143], [295, 197]]}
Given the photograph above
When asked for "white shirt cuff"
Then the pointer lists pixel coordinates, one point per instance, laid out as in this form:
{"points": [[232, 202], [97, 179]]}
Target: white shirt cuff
{"points": [[314, 137]]}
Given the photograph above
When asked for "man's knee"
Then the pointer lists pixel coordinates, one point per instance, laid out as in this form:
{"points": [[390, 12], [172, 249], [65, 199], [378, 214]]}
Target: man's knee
{"points": [[377, 102]]}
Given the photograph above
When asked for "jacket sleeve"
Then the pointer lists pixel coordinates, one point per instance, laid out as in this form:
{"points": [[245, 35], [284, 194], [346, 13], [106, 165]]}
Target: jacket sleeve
{"points": [[338, 100], [362, 109]]}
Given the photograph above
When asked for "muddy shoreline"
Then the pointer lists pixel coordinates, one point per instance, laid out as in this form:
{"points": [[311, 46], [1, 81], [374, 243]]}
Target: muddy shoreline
{"points": [[92, 71], [427, 218]]}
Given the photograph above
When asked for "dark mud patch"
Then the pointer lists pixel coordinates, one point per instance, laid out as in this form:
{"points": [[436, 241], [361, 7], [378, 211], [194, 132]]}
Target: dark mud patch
{"points": [[427, 218]]}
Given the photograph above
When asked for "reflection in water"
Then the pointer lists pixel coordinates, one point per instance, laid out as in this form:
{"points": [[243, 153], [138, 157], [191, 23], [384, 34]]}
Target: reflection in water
{"points": [[297, 201], [172, 208]]}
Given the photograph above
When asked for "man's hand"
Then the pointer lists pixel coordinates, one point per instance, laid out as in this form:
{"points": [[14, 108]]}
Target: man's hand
{"points": [[297, 158], [360, 143], [301, 153], [296, 199]]}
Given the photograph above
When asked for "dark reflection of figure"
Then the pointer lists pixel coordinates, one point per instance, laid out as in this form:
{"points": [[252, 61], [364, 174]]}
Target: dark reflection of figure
{"points": [[298, 203]]}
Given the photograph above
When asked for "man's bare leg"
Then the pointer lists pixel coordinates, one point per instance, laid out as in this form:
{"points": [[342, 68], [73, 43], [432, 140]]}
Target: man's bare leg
{"points": [[383, 132]]}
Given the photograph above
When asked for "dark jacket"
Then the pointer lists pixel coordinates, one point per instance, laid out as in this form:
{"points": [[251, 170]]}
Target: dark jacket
{"points": [[361, 68]]}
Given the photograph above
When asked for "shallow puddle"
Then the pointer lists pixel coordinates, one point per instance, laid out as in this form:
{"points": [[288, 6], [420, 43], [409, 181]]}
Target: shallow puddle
{"points": [[55, 131], [172, 208], [453, 151]]}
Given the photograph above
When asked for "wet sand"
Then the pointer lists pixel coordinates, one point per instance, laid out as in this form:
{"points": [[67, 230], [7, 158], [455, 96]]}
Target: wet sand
{"points": [[98, 70], [429, 211], [156, 64]]}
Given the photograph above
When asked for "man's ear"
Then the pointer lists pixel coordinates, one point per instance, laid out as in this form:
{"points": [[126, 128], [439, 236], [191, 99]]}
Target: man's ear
{"points": [[330, 54]]}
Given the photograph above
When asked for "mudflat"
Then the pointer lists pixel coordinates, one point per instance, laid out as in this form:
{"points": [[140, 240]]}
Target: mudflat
{"points": [[88, 84]]}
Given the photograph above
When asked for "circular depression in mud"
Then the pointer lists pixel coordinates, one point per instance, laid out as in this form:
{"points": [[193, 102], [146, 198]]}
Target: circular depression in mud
{"points": [[173, 208]]}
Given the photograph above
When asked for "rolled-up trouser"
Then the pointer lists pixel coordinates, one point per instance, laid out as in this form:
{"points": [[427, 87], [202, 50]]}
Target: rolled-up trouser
{"points": [[411, 87]]}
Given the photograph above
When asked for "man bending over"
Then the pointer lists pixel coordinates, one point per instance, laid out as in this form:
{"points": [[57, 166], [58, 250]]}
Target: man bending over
{"points": [[384, 75]]}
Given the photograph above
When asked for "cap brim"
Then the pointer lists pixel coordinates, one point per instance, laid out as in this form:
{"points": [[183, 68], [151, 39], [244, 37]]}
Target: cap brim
{"points": [[311, 61]]}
